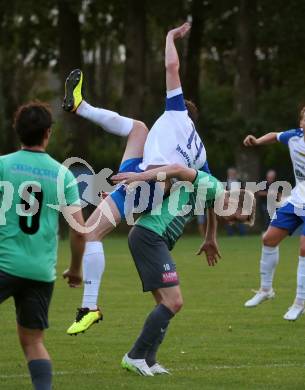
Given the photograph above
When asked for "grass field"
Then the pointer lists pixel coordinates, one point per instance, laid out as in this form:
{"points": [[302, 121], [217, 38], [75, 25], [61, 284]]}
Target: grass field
{"points": [[213, 343]]}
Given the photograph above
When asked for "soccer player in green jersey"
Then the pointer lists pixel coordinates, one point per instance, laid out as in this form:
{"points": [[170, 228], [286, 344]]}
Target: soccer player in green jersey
{"points": [[154, 236], [28, 235]]}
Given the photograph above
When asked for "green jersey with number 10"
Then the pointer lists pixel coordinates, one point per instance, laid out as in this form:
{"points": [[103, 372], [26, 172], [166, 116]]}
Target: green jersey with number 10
{"points": [[28, 225]]}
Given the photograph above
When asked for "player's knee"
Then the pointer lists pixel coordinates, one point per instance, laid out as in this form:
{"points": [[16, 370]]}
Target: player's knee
{"points": [[269, 240], [92, 236], [175, 305], [178, 304], [139, 128]]}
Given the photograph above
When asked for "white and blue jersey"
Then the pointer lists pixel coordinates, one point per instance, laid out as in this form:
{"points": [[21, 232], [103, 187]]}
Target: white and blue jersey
{"points": [[292, 214], [294, 139], [173, 139]]}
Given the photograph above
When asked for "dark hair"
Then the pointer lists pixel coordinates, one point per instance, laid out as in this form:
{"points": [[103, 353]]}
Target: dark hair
{"points": [[31, 121], [192, 110]]}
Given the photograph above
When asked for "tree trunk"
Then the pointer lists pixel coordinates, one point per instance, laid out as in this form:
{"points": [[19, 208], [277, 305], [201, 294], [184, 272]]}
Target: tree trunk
{"points": [[69, 59], [191, 82], [247, 160], [9, 103], [107, 48], [8, 90], [135, 42]]}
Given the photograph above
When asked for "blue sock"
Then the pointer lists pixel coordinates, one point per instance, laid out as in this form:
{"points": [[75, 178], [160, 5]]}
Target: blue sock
{"points": [[41, 374]]}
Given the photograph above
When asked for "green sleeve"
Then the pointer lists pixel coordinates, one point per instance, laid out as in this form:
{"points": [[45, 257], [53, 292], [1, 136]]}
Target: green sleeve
{"points": [[208, 187]]}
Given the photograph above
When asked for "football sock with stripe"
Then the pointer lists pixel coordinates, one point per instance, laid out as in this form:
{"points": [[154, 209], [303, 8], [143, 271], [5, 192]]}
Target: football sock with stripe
{"points": [[93, 269], [41, 374], [268, 263], [110, 121], [155, 325]]}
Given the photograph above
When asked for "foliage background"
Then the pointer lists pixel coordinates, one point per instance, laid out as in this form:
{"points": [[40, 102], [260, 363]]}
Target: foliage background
{"points": [[242, 64]]}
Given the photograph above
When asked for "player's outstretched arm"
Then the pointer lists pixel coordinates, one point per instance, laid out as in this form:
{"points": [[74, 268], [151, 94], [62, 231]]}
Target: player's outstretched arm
{"points": [[172, 63], [266, 139], [209, 245], [177, 171], [77, 246]]}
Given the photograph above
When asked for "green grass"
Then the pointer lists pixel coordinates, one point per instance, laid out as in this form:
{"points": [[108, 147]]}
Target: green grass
{"points": [[213, 343]]}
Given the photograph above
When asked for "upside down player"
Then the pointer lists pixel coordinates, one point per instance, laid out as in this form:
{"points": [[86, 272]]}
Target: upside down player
{"points": [[28, 240], [285, 221], [172, 139], [152, 239]]}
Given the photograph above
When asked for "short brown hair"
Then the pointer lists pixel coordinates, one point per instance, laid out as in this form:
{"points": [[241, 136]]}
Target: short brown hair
{"points": [[192, 110], [31, 121]]}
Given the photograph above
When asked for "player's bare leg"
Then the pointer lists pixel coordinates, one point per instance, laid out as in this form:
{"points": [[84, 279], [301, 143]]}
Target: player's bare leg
{"points": [[268, 263], [94, 260], [297, 308], [39, 362]]}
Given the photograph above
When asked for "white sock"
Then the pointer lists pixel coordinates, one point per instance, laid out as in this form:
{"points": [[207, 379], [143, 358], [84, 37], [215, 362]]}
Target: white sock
{"points": [[300, 298], [269, 260], [110, 121], [93, 269]]}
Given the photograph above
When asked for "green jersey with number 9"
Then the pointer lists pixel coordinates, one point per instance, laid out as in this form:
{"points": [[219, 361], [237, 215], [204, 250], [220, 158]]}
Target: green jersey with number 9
{"points": [[29, 212]]}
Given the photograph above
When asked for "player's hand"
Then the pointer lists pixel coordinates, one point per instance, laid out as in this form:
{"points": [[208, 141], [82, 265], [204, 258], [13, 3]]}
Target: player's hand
{"points": [[181, 31], [125, 178], [250, 140], [210, 248], [74, 278]]}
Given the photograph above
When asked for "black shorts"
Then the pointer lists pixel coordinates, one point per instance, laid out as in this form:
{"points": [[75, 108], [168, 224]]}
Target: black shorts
{"points": [[152, 258], [32, 299]]}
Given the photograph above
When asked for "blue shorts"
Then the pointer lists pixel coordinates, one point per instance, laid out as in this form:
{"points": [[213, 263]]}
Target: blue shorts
{"points": [[119, 194], [290, 218]]}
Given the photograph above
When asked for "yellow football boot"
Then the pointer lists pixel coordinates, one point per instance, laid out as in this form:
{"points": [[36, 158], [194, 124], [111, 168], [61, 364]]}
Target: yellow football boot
{"points": [[73, 91], [84, 319]]}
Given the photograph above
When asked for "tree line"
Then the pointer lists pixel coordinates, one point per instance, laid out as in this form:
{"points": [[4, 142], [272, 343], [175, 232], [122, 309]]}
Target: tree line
{"points": [[242, 64]]}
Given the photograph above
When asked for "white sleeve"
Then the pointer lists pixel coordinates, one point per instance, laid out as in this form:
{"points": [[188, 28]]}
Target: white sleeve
{"points": [[174, 92]]}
